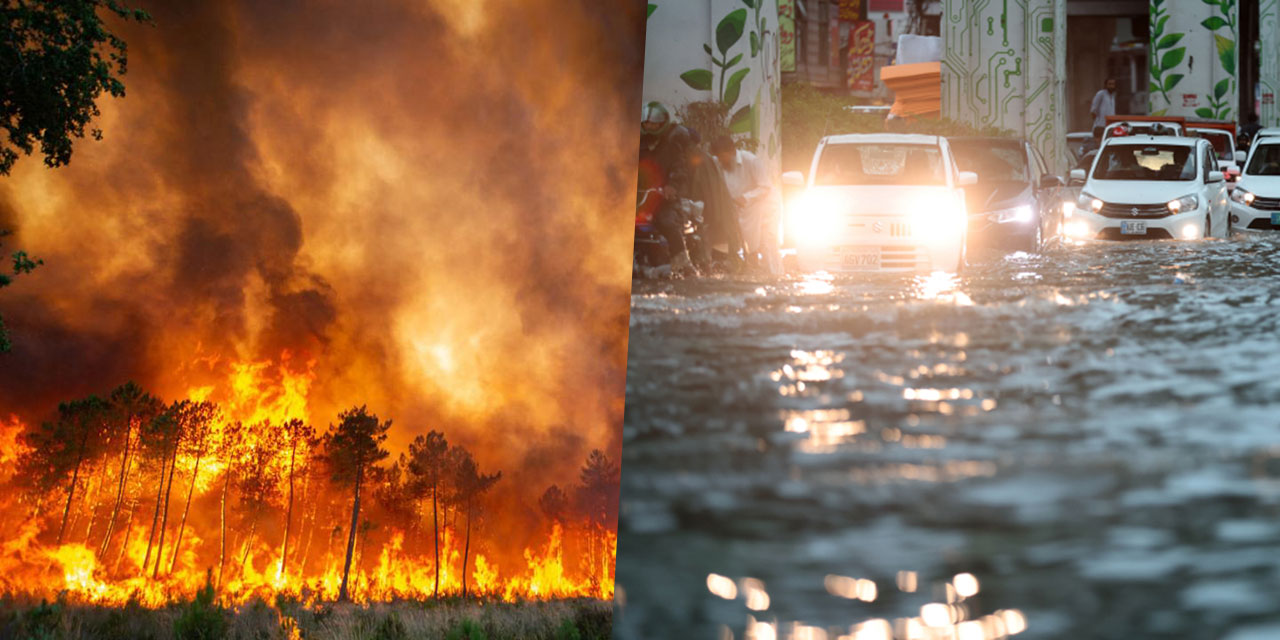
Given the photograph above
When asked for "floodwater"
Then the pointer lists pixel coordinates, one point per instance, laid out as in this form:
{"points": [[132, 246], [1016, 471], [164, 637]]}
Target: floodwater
{"points": [[1079, 444]]}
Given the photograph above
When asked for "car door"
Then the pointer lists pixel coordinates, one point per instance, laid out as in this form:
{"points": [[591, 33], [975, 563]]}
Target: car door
{"points": [[1048, 199], [1214, 191]]}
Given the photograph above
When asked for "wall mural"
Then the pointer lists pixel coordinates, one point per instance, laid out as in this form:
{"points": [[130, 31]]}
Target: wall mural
{"points": [[1193, 59], [998, 69], [734, 59]]}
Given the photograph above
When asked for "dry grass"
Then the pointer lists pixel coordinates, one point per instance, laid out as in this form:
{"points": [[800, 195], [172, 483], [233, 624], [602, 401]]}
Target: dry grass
{"points": [[580, 619]]}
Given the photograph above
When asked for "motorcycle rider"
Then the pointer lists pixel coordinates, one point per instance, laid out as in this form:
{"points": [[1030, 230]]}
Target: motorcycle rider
{"points": [[664, 163]]}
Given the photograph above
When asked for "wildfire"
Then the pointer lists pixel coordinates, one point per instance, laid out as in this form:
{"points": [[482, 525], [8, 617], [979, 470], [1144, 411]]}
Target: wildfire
{"points": [[156, 549]]}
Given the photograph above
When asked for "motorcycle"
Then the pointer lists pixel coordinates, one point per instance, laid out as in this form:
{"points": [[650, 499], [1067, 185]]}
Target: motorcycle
{"points": [[652, 255]]}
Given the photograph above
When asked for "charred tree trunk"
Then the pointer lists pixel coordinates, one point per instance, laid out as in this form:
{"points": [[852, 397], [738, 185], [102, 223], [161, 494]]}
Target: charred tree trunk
{"points": [[71, 489], [155, 517], [343, 596], [466, 550], [248, 543], [124, 473], [435, 527], [164, 519], [288, 514], [128, 530], [177, 542], [222, 540]]}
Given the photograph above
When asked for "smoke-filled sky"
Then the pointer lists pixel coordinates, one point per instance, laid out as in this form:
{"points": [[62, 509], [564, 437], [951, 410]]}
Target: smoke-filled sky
{"points": [[429, 199]]}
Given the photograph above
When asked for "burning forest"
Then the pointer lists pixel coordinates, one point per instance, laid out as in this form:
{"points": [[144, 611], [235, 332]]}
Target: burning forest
{"points": [[365, 267]]}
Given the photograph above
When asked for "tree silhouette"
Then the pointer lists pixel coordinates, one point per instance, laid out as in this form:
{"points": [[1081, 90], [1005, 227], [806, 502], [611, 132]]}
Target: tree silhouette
{"points": [[299, 436], [469, 486], [198, 418], [352, 450], [21, 264], [59, 449], [554, 504], [58, 59], [228, 450], [258, 477], [599, 481], [130, 408], [428, 462]]}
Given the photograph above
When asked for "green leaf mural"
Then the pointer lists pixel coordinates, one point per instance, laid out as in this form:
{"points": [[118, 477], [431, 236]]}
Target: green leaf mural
{"points": [[1226, 53], [1222, 88], [730, 29], [1173, 58], [1213, 23], [652, 7], [740, 121], [1162, 63], [699, 79], [734, 87]]}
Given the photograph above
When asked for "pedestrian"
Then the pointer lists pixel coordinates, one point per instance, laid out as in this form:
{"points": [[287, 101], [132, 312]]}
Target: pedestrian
{"points": [[1104, 104], [664, 169], [757, 199], [1249, 130]]}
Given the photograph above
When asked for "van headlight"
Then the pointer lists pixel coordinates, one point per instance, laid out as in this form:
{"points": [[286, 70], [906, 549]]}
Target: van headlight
{"points": [[1242, 196], [1088, 202], [1185, 203]]}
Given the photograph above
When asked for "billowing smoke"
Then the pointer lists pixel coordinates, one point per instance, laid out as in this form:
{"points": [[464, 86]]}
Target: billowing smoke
{"points": [[427, 203]]}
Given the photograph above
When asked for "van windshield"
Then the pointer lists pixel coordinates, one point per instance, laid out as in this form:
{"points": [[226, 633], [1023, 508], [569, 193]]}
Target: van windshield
{"points": [[880, 164], [1145, 162]]}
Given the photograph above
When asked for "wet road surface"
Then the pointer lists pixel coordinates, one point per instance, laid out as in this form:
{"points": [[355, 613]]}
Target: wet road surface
{"points": [[1078, 444]]}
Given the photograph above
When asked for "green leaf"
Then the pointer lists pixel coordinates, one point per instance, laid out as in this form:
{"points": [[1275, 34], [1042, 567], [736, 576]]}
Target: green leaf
{"points": [[1160, 112], [1221, 88], [1153, 88], [1160, 25], [1173, 58], [1170, 81], [1212, 3], [730, 29], [734, 86], [1213, 23], [1169, 40], [1205, 112], [699, 79], [741, 120], [1226, 53], [736, 59], [749, 3], [652, 7], [755, 44]]}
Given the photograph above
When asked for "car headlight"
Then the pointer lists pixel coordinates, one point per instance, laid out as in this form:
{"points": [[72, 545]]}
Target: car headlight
{"points": [[1242, 196], [1185, 203], [1088, 201], [1021, 213]]}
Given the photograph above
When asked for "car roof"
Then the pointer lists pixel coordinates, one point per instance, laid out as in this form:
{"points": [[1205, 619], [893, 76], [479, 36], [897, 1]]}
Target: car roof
{"points": [[1178, 141], [1268, 131], [900, 138], [1217, 132], [984, 139]]}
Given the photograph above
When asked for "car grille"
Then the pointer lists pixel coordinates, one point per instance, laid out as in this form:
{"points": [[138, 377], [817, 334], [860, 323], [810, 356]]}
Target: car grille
{"points": [[1113, 233], [1117, 210], [1263, 224], [1266, 204], [896, 229]]}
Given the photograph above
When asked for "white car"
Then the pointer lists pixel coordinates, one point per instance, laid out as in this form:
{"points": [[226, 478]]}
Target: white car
{"points": [[1151, 187], [1224, 148], [1256, 198], [880, 202]]}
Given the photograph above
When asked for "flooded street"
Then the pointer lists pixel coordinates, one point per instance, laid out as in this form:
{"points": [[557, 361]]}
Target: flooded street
{"points": [[1080, 444]]}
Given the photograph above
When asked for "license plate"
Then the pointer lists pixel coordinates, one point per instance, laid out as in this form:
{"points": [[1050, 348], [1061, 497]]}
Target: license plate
{"points": [[861, 258], [1129, 228], [1275, 219]]}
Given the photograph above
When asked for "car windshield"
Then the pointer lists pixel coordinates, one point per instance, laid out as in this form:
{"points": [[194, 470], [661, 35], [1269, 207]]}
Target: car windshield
{"points": [[1221, 143], [1265, 161], [992, 160], [1145, 162], [880, 164]]}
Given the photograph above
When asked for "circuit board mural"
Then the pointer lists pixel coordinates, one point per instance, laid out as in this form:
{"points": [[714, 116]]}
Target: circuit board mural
{"points": [[1001, 68], [1269, 57], [1193, 58]]}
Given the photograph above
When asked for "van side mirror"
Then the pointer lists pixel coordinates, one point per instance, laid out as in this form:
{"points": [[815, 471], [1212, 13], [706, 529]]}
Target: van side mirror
{"points": [[793, 179], [1050, 181], [1217, 176], [1077, 174], [968, 178], [1240, 156]]}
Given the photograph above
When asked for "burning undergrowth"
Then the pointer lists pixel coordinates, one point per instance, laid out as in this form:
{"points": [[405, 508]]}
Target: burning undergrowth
{"points": [[420, 211]]}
